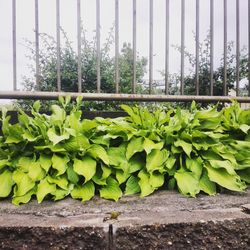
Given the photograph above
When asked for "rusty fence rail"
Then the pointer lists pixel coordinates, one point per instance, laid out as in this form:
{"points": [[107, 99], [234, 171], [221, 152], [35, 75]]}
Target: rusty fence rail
{"points": [[135, 97]]}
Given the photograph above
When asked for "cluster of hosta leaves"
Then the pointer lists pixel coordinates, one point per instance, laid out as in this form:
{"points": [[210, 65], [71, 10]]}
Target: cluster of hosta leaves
{"points": [[59, 155]]}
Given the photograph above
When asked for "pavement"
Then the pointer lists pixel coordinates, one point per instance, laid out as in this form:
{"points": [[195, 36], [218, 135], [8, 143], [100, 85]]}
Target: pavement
{"points": [[164, 220]]}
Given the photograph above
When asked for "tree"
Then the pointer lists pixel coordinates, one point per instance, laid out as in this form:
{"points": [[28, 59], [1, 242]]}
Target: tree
{"points": [[69, 75], [204, 71]]}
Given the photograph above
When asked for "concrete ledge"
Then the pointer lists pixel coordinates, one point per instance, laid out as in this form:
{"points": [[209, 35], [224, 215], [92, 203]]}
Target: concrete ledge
{"points": [[164, 220]]}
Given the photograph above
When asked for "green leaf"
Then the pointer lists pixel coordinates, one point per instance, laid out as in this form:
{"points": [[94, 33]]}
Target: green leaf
{"points": [[223, 164], [135, 117], [98, 152], [36, 173], [23, 199], [23, 182], [117, 155], [72, 175], [101, 175], [37, 106], [6, 183], [121, 176], [60, 181], [15, 134], [206, 185], [60, 163], [171, 184], [45, 162], [85, 192], [24, 163], [156, 180], [58, 115], [3, 163], [195, 165], [112, 191], [156, 159], [224, 179], [146, 188], [44, 188], [135, 163], [132, 186], [150, 145], [85, 167], [134, 146], [187, 147], [59, 194], [187, 183], [245, 175], [54, 138]]}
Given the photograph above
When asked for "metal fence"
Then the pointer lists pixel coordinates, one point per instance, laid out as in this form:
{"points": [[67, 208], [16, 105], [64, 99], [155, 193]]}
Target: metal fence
{"points": [[15, 94]]}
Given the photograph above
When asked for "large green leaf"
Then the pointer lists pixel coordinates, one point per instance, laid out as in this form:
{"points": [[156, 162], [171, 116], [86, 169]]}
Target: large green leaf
{"points": [[187, 183], [15, 134], [45, 162], [112, 191], [85, 167], [102, 173], [85, 192], [206, 185], [195, 165], [132, 185], [156, 159], [23, 182], [36, 173], [6, 183], [17, 200], [224, 179], [72, 175], [149, 145], [59, 162], [134, 146], [187, 147], [55, 138], [60, 181], [98, 152], [117, 155], [146, 188], [245, 175], [156, 180], [43, 189]]}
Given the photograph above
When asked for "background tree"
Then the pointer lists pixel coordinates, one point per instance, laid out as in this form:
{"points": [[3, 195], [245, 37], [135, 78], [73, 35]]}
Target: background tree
{"points": [[69, 59], [204, 71]]}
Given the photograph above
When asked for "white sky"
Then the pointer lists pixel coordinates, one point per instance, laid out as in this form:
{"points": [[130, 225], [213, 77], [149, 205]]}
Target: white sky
{"points": [[25, 28]]}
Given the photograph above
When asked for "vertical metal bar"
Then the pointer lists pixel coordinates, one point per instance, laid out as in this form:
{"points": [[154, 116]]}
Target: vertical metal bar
{"points": [[197, 47], [117, 80], [211, 47], [98, 47], [151, 20], [58, 38], [14, 44], [37, 45], [182, 44], [79, 46], [248, 47], [134, 48], [167, 50], [237, 46], [225, 50]]}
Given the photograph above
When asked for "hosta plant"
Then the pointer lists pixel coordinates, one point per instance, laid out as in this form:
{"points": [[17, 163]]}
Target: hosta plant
{"points": [[58, 155]]}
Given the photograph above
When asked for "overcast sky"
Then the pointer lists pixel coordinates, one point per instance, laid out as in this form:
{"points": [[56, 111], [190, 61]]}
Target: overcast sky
{"points": [[25, 28]]}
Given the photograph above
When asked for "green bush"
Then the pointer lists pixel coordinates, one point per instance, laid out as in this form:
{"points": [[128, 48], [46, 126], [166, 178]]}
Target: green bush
{"points": [[53, 156]]}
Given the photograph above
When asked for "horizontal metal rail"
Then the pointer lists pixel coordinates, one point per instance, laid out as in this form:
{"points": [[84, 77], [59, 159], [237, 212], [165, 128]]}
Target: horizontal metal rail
{"points": [[118, 97], [197, 83]]}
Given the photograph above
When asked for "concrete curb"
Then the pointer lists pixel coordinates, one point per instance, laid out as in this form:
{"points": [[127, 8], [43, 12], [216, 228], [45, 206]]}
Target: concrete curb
{"points": [[164, 220]]}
